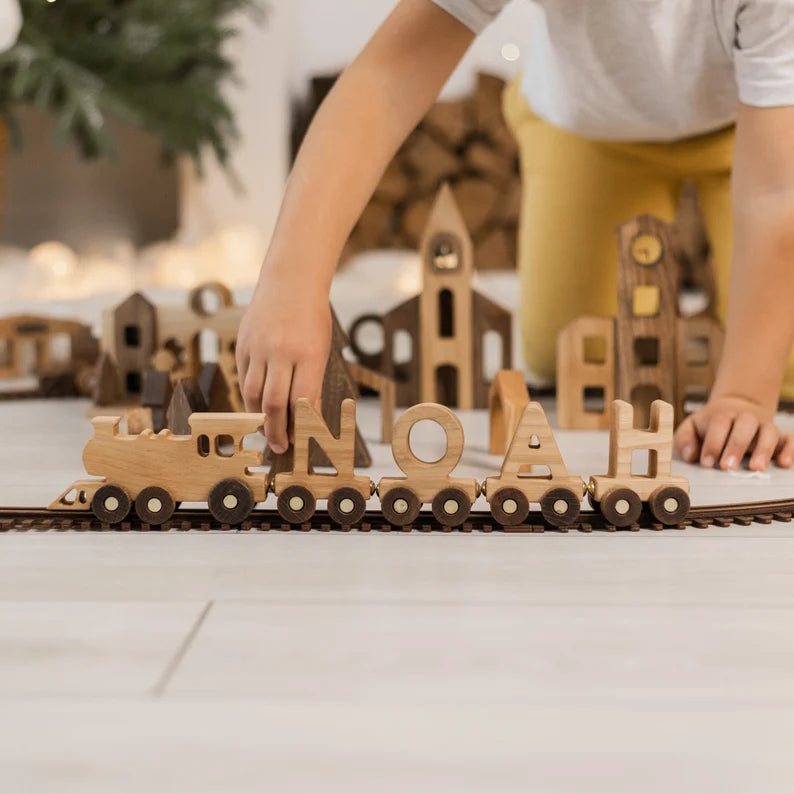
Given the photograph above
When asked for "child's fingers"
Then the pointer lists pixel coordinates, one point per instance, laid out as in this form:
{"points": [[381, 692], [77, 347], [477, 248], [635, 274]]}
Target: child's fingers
{"points": [[686, 440], [251, 386], [242, 361], [745, 427], [765, 445], [785, 457], [275, 397], [714, 439], [307, 382]]}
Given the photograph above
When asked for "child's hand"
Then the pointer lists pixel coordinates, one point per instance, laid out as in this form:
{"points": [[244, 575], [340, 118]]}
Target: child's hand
{"points": [[282, 350], [727, 428]]}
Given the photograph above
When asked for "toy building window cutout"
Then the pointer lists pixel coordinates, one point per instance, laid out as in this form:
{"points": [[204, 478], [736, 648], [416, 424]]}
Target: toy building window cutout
{"points": [[646, 351], [402, 351], [132, 336], [594, 399], [224, 446], [5, 353], [26, 356], [493, 355], [646, 301], [647, 250], [445, 253], [207, 345], [134, 382], [446, 314], [208, 299], [594, 349], [696, 351], [203, 445], [60, 348], [447, 385]]}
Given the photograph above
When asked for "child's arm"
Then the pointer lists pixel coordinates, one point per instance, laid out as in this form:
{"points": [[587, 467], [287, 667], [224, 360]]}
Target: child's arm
{"points": [[284, 338], [760, 330]]}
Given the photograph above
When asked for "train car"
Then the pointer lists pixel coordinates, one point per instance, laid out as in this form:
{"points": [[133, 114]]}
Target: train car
{"points": [[450, 498], [621, 494], [558, 493], [154, 472], [345, 491]]}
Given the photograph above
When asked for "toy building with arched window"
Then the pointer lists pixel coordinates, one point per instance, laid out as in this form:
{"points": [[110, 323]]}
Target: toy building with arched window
{"points": [[434, 345]]}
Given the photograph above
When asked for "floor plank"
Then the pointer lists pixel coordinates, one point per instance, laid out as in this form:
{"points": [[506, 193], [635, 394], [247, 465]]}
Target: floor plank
{"points": [[480, 654], [58, 648], [188, 746], [733, 566]]}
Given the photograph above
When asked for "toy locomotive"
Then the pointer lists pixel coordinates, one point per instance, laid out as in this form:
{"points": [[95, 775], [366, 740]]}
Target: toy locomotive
{"points": [[155, 472]]}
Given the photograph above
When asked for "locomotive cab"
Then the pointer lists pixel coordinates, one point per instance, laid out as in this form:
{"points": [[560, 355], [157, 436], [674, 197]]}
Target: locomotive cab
{"points": [[156, 472]]}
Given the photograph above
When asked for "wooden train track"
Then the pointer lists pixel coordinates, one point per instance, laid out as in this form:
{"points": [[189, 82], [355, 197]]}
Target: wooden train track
{"points": [[27, 519]]}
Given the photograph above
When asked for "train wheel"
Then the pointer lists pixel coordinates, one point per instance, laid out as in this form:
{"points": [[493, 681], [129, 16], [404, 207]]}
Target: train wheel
{"points": [[669, 505], [400, 507], [154, 506], [560, 507], [451, 507], [509, 507], [230, 501], [110, 504], [296, 504], [621, 507], [346, 506]]}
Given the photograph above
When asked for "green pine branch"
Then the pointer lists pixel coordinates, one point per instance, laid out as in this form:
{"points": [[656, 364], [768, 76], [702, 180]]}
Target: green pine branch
{"points": [[158, 66]]}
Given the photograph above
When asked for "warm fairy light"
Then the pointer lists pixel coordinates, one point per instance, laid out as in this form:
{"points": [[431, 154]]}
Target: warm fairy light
{"points": [[56, 259], [52, 270]]}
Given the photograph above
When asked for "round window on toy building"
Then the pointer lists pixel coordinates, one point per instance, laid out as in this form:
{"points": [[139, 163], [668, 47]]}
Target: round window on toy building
{"points": [[647, 249], [445, 252]]}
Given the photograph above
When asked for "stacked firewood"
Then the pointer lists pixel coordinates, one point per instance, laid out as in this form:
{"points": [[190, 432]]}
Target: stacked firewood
{"points": [[465, 143]]}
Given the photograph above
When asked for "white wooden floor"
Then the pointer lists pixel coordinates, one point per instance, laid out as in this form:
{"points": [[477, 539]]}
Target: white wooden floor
{"points": [[226, 663]]}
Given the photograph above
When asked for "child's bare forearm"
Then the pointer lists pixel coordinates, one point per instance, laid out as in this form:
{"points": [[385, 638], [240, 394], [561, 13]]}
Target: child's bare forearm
{"points": [[283, 341], [739, 416], [760, 327], [368, 114]]}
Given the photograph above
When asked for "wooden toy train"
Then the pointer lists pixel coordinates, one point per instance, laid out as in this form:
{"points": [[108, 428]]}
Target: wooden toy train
{"points": [[155, 472]]}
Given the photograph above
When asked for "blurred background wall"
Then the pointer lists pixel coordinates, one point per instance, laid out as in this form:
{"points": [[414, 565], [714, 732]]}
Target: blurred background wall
{"points": [[49, 194]]}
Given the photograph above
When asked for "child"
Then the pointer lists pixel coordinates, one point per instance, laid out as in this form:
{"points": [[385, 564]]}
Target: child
{"points": [[628, 99]]}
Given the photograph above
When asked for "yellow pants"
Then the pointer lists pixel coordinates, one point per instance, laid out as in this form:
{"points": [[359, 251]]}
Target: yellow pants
{"points": [[576, 192]]}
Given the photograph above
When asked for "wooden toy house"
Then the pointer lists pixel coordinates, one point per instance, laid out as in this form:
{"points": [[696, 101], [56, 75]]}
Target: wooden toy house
{"points": [[445, 325], [35, 345], [648, 352], [138, 335]]}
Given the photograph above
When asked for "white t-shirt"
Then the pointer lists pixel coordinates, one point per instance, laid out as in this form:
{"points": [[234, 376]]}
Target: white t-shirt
{"points": [[10, 23], [649, 70]]}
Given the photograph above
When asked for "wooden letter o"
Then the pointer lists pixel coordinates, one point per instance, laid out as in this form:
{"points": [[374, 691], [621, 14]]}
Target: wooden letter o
{"points": [[401, 443]]}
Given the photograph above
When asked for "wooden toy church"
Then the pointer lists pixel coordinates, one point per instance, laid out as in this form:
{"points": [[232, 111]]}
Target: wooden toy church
{"points": [[446, 322]]}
